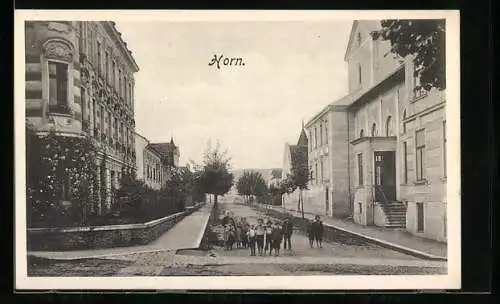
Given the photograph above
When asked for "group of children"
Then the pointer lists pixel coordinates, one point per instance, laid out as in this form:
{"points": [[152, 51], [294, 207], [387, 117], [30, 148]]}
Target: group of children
{"points": [[315, 232], [263, 237]]}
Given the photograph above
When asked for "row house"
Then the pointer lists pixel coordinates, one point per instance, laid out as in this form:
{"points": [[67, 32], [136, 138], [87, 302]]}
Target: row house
{"points": [[383, 145], [80, 82]]}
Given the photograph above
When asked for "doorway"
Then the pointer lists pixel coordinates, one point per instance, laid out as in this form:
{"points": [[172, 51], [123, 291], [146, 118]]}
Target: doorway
{"points": [[385, 176]]}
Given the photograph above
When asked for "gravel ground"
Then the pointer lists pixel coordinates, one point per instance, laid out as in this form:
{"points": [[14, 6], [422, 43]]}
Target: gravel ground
{"points": [[300, 243], [288, 270], [75, 268]]}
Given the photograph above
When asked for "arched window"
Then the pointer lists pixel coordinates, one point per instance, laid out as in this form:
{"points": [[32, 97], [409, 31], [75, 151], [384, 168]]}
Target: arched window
{"points": [[388, 127], [361, 133], [374, 129]]}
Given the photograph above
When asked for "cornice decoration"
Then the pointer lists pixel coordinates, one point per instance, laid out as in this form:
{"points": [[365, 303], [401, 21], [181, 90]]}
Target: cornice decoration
{"points": [[58, 49]]}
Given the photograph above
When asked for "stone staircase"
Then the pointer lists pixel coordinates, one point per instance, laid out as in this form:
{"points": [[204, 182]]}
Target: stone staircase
{"points": [[395, 213]]}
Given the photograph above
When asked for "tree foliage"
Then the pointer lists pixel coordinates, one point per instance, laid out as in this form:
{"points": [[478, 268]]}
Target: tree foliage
{"points": [[423, 39], [61, 178], [300, 174], [251, 183], [276, 173], [213, 176]]}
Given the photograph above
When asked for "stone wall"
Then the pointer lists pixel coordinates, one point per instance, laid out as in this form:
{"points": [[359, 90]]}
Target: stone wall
{"points": [[330, 233], [78, 238]]}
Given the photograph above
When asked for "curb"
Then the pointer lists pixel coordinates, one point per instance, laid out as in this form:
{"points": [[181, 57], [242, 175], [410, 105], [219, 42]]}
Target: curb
{"points": [[202, 232], [99, 256], [382, 243]]}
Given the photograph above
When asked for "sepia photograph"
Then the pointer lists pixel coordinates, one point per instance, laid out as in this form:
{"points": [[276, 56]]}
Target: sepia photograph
{"points": [[237, 150]]}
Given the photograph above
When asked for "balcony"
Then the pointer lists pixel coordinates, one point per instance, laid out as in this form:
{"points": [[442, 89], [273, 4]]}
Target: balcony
{"points": [[60, 109]]}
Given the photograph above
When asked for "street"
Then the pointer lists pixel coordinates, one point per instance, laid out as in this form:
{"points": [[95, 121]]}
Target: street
{"points": [[300, 243], [333, 259]]}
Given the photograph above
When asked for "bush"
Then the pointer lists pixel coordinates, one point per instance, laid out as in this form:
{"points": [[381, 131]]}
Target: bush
{"points": [[60, 176]]}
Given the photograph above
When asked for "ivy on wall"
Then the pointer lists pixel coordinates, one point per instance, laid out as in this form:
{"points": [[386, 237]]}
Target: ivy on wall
{"points": [[61, 179]]}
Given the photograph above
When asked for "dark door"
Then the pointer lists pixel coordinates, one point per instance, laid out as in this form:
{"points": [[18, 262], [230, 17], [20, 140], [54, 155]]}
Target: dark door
{"points": [[385, 176]]}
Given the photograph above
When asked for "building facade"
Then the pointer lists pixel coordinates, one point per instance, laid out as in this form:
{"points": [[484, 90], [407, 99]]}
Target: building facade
{"points": [[386, 143], [80, 82], [150, 165]]}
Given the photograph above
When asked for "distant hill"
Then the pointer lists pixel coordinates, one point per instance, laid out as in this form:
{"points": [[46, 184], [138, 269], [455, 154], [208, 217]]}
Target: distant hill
{"points": [[266, 174]]}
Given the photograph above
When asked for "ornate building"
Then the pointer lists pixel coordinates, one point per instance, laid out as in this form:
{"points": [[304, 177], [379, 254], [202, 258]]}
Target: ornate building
{"points": [[80, 82]]}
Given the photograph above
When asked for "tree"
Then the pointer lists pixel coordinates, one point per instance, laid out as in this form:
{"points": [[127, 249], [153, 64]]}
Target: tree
{"points": [[213, 175], [243, 185], [424, 39], [276, 173], [252, 183], [299, 177]]}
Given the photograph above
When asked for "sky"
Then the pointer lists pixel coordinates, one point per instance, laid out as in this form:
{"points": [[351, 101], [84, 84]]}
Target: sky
{"points": [[292, 71]]}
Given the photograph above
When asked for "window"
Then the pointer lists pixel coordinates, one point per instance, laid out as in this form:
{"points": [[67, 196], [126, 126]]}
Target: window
{"points": [[321, 171], [125, 86], [106, 63], [361, 133], [388, 127], [360, 207], [444, 148], [405, 163], [404, 121], [99, 70], [420, 217], [420, 157], [113, 76], [120, 83], [360, 169], [65, 189], [129, 101], [326, 131], [316, 172], [58, 87], [310, 141], [115, 128], [113, 181], [315, 137], [359, 73], [320, 134], [122, 133], [109, 124], [359, 39], [374, 129], [418, 91]]}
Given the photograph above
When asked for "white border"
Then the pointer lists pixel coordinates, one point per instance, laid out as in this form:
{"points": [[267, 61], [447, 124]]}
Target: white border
{"points": [[450, 281]]}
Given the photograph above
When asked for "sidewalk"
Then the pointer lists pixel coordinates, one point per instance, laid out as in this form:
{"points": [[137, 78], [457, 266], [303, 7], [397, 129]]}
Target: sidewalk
{"points": [[185, 234], [392, 238]]}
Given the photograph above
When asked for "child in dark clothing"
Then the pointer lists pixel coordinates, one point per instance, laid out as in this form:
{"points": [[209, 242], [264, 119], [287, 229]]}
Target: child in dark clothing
{"points": [[310, 233]]}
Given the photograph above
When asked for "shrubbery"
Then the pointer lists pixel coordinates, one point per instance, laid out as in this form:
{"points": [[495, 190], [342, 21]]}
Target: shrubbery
{"points": [[61, 180]]}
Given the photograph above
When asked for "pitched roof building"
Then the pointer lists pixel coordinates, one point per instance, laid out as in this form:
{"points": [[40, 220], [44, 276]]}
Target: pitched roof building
{"points": [[169, 151], [295, 153]]}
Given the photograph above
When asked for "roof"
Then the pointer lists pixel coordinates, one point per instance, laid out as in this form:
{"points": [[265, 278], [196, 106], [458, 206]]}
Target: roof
{"points": [[111, 26], [351, 38], [302, 139], [358, 96], [163, 148]]}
